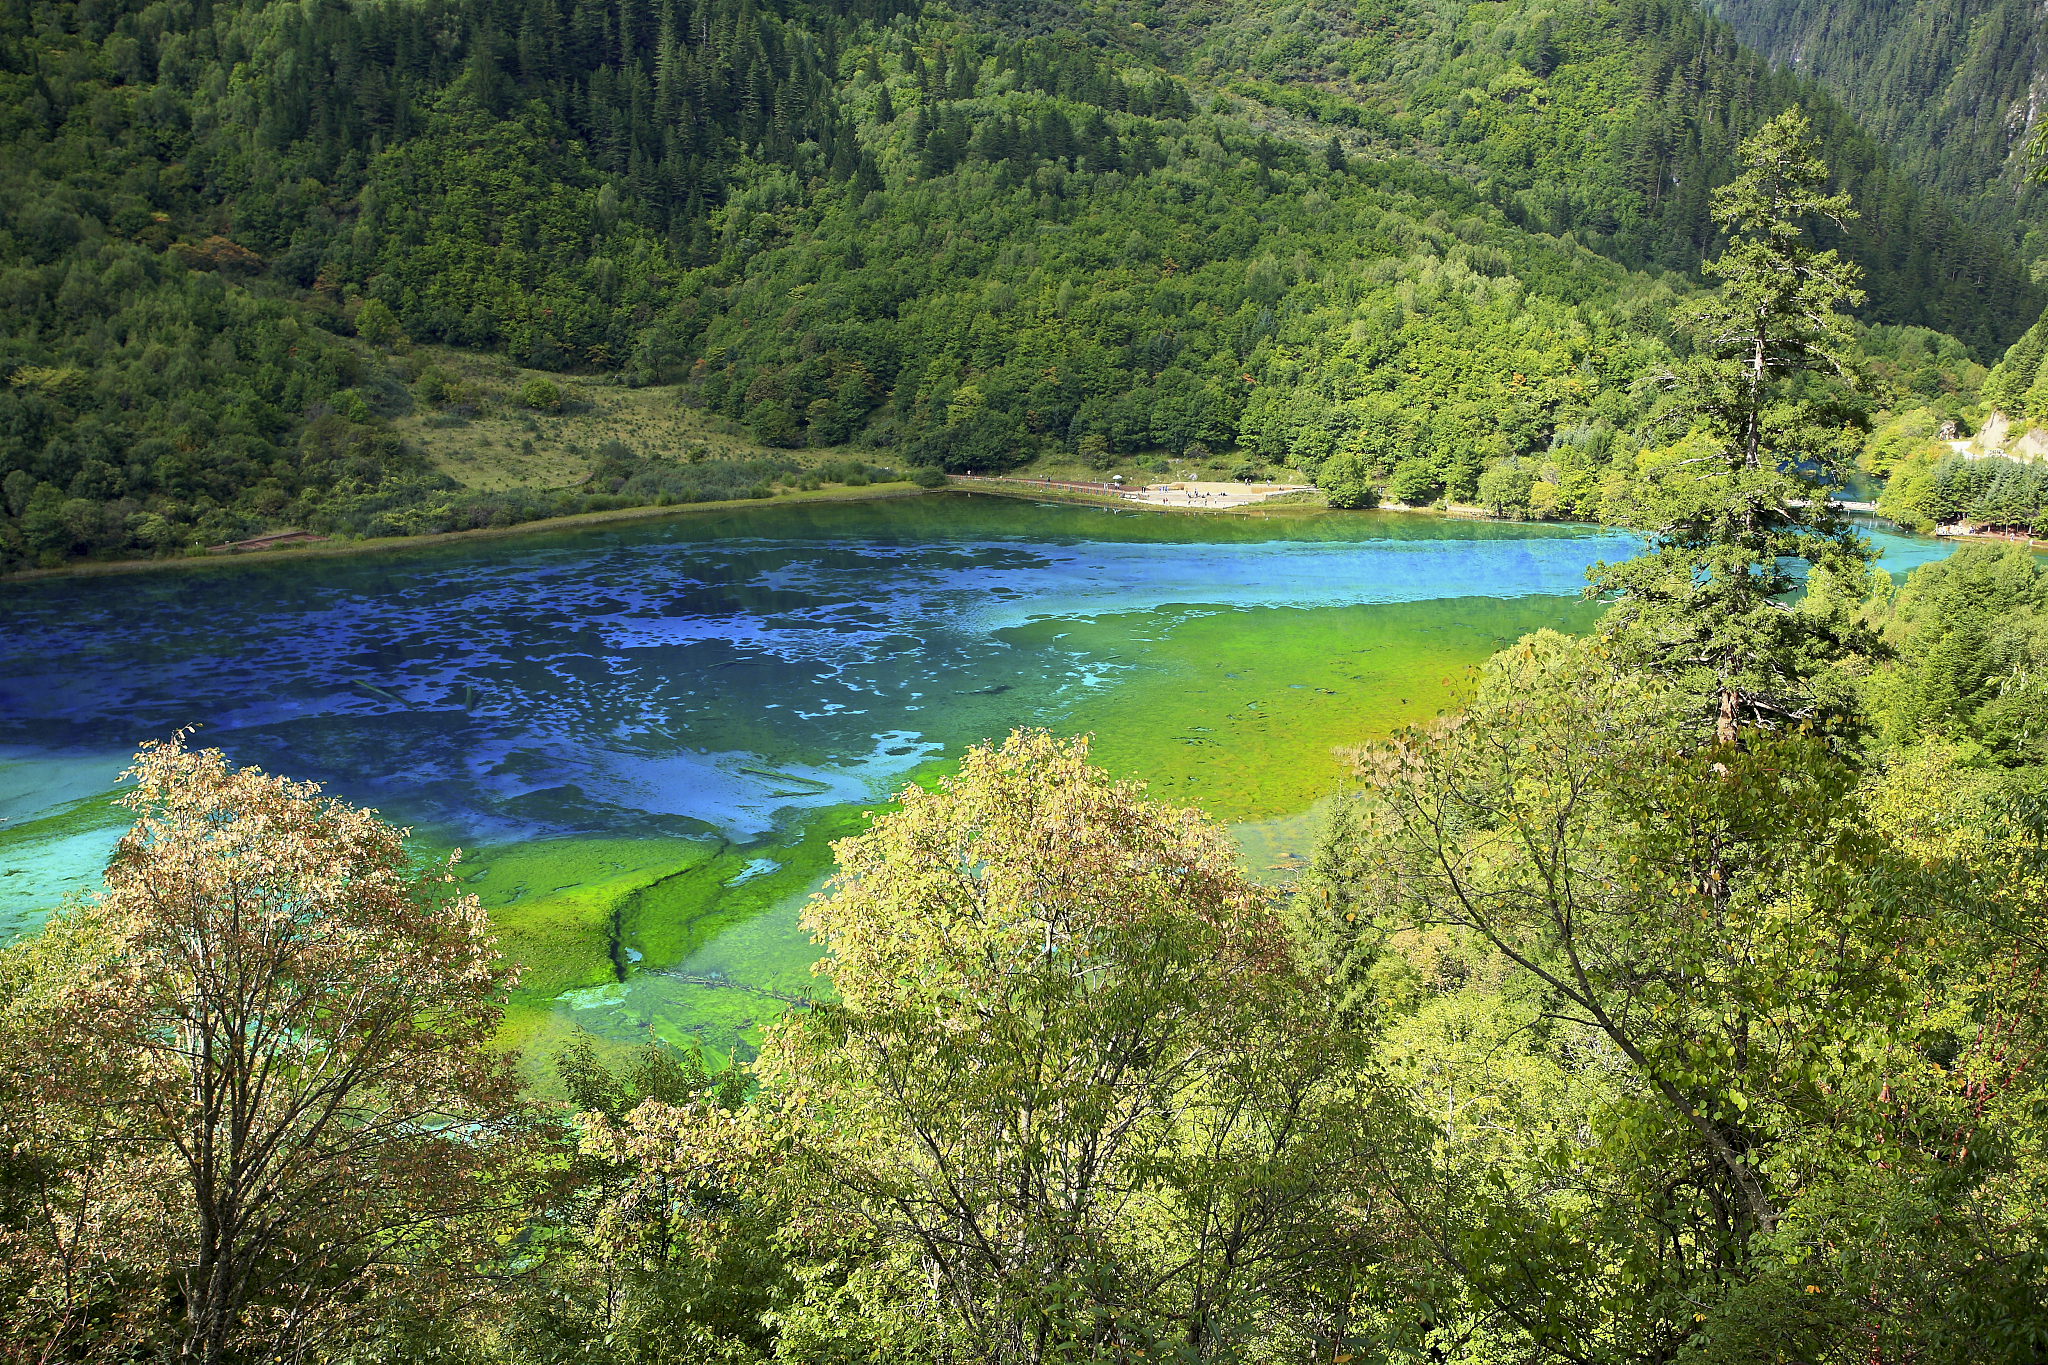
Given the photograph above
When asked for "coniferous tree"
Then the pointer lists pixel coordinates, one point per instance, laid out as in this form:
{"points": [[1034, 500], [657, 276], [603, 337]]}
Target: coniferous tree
{"points": [[1747, 487]]}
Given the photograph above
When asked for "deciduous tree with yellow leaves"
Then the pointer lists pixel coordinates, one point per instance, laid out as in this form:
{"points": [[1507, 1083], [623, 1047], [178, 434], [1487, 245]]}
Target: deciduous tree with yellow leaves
{"points": [[1074, 1095], [250, 1088]]}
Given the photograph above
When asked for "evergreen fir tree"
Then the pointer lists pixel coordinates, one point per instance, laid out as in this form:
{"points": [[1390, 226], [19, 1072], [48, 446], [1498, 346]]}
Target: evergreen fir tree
{"points": [[1747, 487]]}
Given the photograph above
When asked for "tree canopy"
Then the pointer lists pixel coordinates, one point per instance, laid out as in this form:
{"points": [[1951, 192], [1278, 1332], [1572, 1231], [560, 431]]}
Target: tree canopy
{"points": [[1748, 487], [952, 242], [252, 1082]]}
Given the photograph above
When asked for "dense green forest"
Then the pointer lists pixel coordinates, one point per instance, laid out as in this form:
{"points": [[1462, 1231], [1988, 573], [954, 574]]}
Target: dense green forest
{"points": [[2014, 385], [1680, 996], [1929, 483], [1611, 121], [1936, 487], [1946, 86], [1432, 241]]}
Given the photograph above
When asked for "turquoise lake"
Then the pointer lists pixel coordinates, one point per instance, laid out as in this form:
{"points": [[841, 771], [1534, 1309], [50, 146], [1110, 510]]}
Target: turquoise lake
{"points": [[713, 681]]}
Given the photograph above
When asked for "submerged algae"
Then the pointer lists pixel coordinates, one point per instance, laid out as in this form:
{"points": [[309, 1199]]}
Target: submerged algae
{"points": [[56, 853], [556, 904], [1241, 713], [719, 953], [1237, 713], [668, 922], [692, 941], [656, 729]]}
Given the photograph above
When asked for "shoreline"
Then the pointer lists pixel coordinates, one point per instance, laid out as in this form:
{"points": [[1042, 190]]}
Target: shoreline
{"points": [[1292, 503], [2034, 544], [1114, 500], [386, 544], [996, 486]]}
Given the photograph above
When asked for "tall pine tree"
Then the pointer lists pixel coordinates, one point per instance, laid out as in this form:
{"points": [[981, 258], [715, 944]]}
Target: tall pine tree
{"points": [[1747, 489]]}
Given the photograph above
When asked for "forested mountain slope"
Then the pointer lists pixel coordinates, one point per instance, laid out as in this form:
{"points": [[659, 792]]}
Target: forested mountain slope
{"points": [[2014, 386], [1610, 119], [1428, 239], [1950, 87]]}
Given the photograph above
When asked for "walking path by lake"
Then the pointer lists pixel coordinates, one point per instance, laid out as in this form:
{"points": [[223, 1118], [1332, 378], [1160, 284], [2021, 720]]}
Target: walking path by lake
{"points": [[1199, 495]]}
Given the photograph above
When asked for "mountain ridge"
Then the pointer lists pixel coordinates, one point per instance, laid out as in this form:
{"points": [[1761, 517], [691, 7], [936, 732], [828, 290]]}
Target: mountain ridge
{"points": [[878, 225], [1952, 87]]}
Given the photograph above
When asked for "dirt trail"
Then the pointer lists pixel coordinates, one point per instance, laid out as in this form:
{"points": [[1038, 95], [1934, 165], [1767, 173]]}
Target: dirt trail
{"points": [[1219, 497]]}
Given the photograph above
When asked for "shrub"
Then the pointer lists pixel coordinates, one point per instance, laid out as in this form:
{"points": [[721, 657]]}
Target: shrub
{"points": [[540, 394], [1346, 481], [773, 425], [1504, 489], [377, 325]]}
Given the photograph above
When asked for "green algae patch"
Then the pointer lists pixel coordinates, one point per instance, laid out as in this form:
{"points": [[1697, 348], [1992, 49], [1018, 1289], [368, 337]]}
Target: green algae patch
{"points": [[59, 853], [1240, 713], [719, 952], [92, 814], [1275, 851], [557, 904], [695, 943], [669, 920]]}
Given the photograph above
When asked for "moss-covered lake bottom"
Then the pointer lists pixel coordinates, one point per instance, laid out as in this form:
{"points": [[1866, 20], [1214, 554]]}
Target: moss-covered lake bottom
{"points": [[1240, 716], [645, 738]]}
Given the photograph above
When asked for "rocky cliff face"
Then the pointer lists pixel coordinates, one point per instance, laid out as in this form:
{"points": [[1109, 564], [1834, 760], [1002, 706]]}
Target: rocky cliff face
{"points": [[2017, 439]]}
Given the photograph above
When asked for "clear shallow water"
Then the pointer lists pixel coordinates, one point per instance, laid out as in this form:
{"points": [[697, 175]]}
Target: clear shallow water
{"points": [[662, 676], [710, 678]]}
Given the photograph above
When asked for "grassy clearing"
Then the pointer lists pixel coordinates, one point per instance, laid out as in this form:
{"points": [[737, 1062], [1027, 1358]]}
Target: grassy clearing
{"points": [[483, 438]]}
